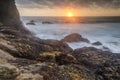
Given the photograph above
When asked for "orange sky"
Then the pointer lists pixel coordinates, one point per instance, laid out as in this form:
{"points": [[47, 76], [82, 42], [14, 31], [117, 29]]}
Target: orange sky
{"points": [[63, 12]]}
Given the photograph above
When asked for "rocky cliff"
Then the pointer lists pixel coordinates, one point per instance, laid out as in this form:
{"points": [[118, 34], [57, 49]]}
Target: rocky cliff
{"points": [[8, 13], [25, 57]]}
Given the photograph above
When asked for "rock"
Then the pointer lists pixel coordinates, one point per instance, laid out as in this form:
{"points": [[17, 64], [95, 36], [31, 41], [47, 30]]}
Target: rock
{"points": [[5, 56], [102, 63], [109, 70], [97, 43], [106, 48], [92, 57], [8, 13], [65, 72], [58, 45], [64, 59], [46, 22], [75, 37], [32, 22], [49, 56], [8, 71], [30, 76]]}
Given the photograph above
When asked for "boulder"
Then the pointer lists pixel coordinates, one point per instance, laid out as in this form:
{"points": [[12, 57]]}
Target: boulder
{"points": [[106, 48], [46, 22], [32, 22], [97, 43], [75, 37]]}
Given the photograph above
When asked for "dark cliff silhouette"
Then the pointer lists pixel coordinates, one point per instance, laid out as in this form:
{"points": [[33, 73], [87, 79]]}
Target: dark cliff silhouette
{"points": [[8, 12]]}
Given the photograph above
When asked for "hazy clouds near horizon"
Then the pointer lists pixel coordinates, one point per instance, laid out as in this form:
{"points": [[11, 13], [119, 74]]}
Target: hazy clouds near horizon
{"points": [[71, 3]]}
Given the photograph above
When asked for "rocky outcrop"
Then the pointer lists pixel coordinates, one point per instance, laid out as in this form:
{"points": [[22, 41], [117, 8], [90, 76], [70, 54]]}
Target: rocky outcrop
{"points": [[93, 57], [102, 63], [75, 38], [97, 43]]}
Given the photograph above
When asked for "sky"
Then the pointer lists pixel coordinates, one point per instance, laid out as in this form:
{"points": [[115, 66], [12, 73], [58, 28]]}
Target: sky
{"points": [[63, 7]]}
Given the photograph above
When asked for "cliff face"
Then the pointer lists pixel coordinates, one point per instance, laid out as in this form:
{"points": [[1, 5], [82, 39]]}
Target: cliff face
{"points": [[8, 13]]}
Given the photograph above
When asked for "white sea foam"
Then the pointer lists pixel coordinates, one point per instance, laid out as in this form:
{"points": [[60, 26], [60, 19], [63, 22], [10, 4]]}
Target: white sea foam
{"points": [[107, 33]]}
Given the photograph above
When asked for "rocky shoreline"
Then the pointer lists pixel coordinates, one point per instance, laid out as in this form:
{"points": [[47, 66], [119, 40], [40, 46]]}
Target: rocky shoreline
{"points": [[25, 57]]}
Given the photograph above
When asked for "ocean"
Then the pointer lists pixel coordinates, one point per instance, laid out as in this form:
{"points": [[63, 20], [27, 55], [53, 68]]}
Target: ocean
{"points": [[103, 29]]}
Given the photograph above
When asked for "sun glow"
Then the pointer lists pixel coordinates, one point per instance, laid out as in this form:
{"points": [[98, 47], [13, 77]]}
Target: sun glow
{"points": [[70, 14]]}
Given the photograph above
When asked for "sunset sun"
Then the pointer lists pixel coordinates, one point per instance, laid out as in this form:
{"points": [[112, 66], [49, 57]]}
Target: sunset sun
{"points": [[70, 14]]}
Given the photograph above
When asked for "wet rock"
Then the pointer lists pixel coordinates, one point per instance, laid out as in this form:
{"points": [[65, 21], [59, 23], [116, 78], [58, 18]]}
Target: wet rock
{"points": [[75, 37], [32, 22], [46, 22], [97, 43], [106, 48]]}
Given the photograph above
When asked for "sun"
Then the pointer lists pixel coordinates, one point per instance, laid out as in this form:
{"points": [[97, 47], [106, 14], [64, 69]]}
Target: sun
{"points": [[70, 14]]}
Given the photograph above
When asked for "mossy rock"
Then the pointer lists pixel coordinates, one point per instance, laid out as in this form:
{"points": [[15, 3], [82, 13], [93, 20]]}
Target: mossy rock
{"points": [[55, 53], [8, 72], [64, 59], [49, 56]]}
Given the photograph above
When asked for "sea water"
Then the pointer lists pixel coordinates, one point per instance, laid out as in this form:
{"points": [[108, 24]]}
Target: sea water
{"points": [[106, 33]]}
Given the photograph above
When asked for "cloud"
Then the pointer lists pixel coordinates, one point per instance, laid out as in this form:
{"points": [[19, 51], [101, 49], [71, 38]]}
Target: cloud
{"points": [[68, 3]]}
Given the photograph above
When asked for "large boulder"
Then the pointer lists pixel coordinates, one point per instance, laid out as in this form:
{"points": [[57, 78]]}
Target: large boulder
{"points": [[75, 37]]}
